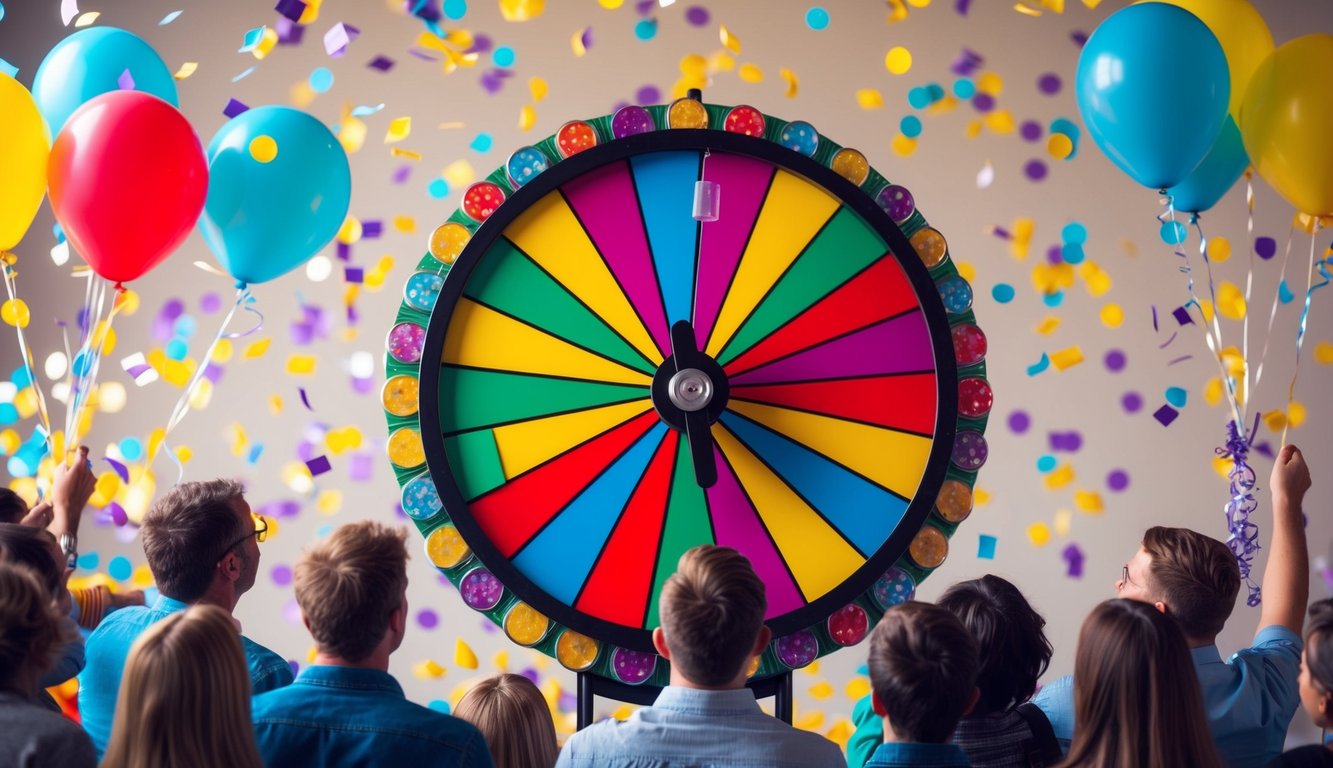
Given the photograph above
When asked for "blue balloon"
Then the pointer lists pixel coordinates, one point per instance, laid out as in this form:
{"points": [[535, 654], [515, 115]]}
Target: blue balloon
{"points": [[95, 61], [1153, 86], [1214, 177], [268, 212]]}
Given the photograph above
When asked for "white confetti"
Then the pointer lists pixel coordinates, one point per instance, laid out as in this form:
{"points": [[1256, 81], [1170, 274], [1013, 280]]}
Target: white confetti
{"points": [[986, 175], [60, 254], [68, 10]]}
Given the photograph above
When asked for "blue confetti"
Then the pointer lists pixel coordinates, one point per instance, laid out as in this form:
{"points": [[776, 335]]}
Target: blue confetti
{"points": [[504, 57], [1053, 299], [252, 39], [1040, 365], [918, 97], [1046, 463], [131, 449], [321, 80], [1177, 396], [1072, 253], [455, 9], [8, 69], [90, 561], [817, 18], [646, 29], [1173, 232], [964, 88], [482, 143], [1074, 232], [170, 17], [439, 705], [120, 568], [1284, 293], [177, 349], [910, 126], [438, 189], [1003, 293], [986, 547], [8, 413]]}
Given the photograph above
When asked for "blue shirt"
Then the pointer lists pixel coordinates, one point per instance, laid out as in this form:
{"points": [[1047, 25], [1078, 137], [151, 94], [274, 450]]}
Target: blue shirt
{"points": [[343, 716], [906, 755], [1250, 698], [707, 729], [109, 648]]}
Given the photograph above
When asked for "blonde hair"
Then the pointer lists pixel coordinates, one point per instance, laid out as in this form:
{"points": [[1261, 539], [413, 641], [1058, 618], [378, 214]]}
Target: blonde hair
{"points": [[712, 609], [31, 630], [349, 584], [185, 696], [513, 717]]}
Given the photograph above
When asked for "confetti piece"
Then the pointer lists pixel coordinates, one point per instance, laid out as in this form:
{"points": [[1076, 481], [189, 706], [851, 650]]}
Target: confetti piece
{"points": [[87, 19], [1064, 519], [186, 69], [898, 60], [750, 73], [579, 42], [1040, 365], [318, 465], [986, 175], [338, 37], [464, 656], [1039, 534], [1112, 316], [821, 691], [15, 313], [252, 39], [986, 546], [68, 10], [1165, 415], [428, 670], [1323, 353], [8, 69], [352, 133], [729, 41], [793, 85], [399, 129], [857, 688], [1067, 358], [1088, 501], [1074, 561], [903, 146], [1059, 478], [869, 98], [527, 118]]}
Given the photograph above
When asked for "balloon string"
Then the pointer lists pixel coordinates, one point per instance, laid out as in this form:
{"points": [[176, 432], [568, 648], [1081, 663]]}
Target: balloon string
{"points": [[1322, 266], [90, 316], [1249, 288], [1272, 310], [183, 406], [92, 353], [1243, 538], [11, 289], [1239, 400]]}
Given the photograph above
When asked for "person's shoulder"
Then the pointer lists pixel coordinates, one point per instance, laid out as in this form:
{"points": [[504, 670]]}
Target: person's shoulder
{"points": [[809, 740], [1310, 756], [126, 621]]}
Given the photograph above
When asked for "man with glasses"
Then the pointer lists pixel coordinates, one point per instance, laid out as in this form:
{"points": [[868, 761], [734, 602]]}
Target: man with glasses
{"points": [[202, 545]]}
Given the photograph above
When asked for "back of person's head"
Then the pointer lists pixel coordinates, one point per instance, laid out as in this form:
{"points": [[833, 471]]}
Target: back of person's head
{"points": [[12, 506], [923, 671], [34, 548], [185, 696], [1319, 660], [712, 610], [1011, 640], [1195, 575], [184, 531], [31, 632], [348, 586], [1136, 694], [512, 715]]}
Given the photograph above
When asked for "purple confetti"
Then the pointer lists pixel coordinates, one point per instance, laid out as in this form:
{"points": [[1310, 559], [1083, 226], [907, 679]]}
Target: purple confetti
{"points": [[209, 303], [281, 575], [967, 63], [648, 94], [1074, 558], [1031, 130], [363, 386], [1080, 38], [125, 81], [361, 467], [1049, 84], [1264, 449], [371, 230], [401, 174], [961, 7], [234, 108], [1182, 316], [1165, 415], [1131, 402], [289, 32], [1266, 247], [381, 63], [983, 102], [428, 619], [1068, 442], [119, 468], [1035, 170], [290, 9], [481, 44], [645, 7], [1118, 480], [305, 400], [344, 252], [1055, 254], [1019, 421], [1154, 317], [173, 309], [338, 37], [318, 465], [213, 372], [292, 612], [281, 509], [354, 275], [696, 15], [118, 516], [1115, 361]]}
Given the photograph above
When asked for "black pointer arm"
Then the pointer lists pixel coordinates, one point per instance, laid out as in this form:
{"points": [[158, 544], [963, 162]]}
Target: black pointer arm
{"points": [[685, 351]]}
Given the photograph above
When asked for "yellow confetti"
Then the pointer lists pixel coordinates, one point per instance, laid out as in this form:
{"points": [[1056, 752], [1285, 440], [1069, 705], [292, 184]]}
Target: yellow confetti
{"points": [[351, 230], [857, 688], [1026, 10], [187, 69], [980, 497], [538, 88], [810, 721], [991, 84], [1059, 146], [1039, 534], [301, 365], [1295, 414], [841, 732], [266, 44], [329, 502], [1059, 477], [611, 5], [1212, 391], [1275, 420], [576, 43], [1222, 466], [15, 313], [623, 712], [399, 129], [428, 670], [750, 73], [1000, 121], [404, 153], [974, 129], [527, 117], [966, 270], [301, 94], [1067, 358], [812, 668], [869, 98], [127, 302], [1323, 353], [311, 13], [898, 60], [86, 19], [275, 404], [184, 453], [1021, 235], [1064, 519], [177, 373], [464, 656], [1112, 316], [256, 348], [263, 149], [793, 85], [459, 173], [352, 134], [903, 146], [9, 442], [897, 11], [1230, 301], [729, 41], [405, 224], [1219, 249], [821, 690], [1089, 502], [521, 10]]}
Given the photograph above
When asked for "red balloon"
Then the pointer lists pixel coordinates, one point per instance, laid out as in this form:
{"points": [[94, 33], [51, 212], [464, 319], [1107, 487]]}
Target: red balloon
{"points": [[127, 179]]}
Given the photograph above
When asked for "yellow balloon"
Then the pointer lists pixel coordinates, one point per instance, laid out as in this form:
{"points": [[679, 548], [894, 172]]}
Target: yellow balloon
{"points": [[1284, 123], [23, 150], [1243, 34]]}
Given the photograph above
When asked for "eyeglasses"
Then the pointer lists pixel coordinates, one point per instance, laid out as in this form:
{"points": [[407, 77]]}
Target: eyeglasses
{"points": [[260, 533]]}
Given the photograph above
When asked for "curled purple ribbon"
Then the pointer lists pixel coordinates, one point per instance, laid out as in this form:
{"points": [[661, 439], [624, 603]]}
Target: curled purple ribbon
{"points": [[1244, 538]]}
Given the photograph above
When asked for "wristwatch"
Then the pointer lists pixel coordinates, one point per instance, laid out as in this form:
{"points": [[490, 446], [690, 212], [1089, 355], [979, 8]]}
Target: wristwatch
{"points": [[69, 544]]}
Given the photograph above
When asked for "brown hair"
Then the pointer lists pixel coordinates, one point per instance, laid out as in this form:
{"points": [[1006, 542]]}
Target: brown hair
{"points": [[12, 506], [712, 609], [182, 534], [1195, 575], [31, 630], [185, 696], [1319, 646], [1136, 695], [515, 720], [31, 547], [348, 585], [1011, 640], [923, 669]]}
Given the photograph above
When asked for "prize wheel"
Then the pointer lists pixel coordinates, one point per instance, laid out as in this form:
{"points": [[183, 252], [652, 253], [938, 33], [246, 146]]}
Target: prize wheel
{"points": [[681, 325]]}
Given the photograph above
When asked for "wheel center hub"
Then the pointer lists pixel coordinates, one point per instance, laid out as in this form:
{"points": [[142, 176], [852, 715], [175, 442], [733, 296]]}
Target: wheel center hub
{"points": [[690, 389]]}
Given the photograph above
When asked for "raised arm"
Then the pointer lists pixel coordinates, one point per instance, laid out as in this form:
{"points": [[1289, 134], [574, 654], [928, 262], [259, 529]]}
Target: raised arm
{"points": [[1287, 575]]}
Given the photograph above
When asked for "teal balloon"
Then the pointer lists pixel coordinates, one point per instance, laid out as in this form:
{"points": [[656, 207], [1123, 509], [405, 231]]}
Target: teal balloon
{"points": [[95, 61], [1216, 175], [1153, 86], [267, 214]]}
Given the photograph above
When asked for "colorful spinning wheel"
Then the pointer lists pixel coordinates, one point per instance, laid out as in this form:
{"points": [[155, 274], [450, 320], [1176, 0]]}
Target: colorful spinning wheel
{"points": [[684, 325]]}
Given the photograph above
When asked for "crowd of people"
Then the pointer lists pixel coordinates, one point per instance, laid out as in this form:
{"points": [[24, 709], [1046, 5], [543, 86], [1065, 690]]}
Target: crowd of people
{"points": [[954, 683]]}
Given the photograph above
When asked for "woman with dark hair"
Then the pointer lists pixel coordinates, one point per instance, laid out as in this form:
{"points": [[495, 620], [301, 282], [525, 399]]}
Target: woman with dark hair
{"points": [[1316, 683], [1003, 730], [1136, 694]]}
